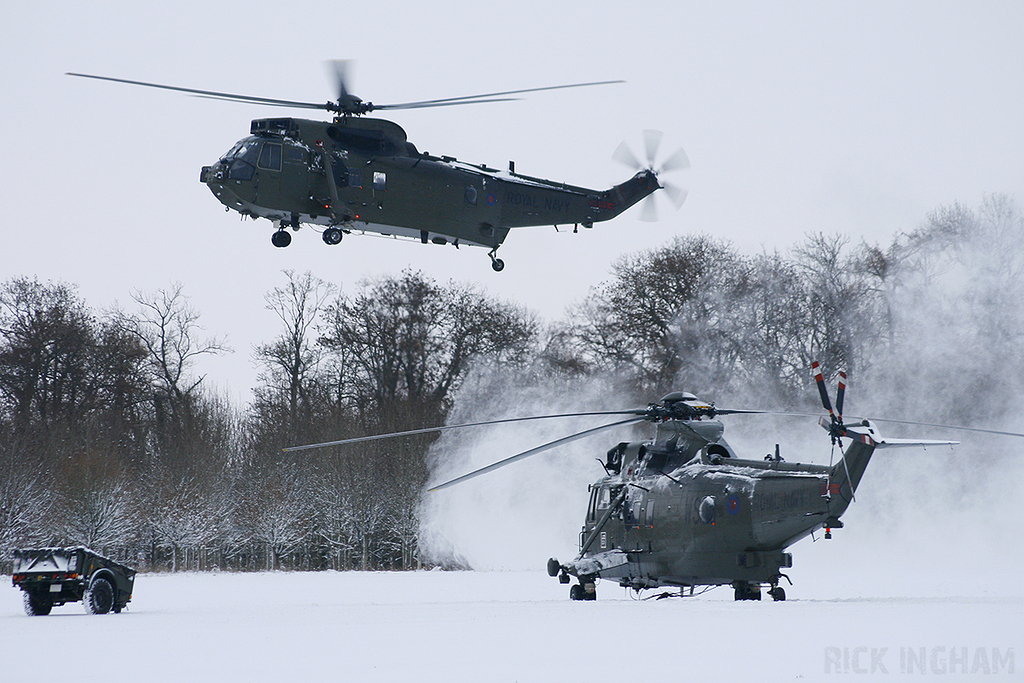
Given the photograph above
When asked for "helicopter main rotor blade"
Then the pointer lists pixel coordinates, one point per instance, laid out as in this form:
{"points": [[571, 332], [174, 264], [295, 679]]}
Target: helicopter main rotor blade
{"points": [[338, 69], [953, 427], [483, 97], [444, 428], [212, 94], [428, 105], [533, 451]]}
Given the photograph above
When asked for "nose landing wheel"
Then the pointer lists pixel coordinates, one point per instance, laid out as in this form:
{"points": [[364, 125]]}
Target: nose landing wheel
{"points": [[332, 236]]}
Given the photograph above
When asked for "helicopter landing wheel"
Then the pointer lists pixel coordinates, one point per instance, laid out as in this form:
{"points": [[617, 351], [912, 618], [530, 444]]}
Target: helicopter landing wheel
{"points": [[496, 263], [778, 594], [332, 236], [747, 591], [281, 239], [584, 590]]}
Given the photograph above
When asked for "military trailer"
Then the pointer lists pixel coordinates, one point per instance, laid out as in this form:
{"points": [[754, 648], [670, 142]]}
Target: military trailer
{"points": [[51, 577]]}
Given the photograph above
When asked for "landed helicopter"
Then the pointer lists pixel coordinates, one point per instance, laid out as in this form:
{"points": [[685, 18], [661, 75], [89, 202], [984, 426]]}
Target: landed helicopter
{"points": [[684, 510], [357, 174]]}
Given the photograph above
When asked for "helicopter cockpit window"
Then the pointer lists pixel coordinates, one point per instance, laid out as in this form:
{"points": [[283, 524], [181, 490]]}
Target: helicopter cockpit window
{"points": [[242, 159], [270, 157]]}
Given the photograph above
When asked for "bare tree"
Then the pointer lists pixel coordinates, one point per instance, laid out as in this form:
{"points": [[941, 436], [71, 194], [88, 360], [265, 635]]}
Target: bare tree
{"points": [[845, 312], [292, 360], [407, 342], [167, 327], [665, 317]]}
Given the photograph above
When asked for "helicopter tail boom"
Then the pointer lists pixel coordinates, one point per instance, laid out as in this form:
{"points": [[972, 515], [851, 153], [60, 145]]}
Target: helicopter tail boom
{"points": [[625, 195]]}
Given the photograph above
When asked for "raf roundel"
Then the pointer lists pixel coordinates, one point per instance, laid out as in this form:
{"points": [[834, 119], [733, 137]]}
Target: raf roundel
{"points": [[732, 504]]}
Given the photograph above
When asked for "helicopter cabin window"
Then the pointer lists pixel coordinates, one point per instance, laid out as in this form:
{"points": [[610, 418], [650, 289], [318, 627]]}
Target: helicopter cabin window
{"points": [[600, 499], [270, 157], [380, 181], [294, 155]]}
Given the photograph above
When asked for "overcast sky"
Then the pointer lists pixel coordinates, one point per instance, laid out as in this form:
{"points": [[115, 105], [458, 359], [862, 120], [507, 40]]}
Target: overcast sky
{"points": [[798, 117]]}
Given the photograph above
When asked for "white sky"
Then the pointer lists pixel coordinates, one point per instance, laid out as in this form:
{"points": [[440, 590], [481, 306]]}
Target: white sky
{"points": [[801, 116]]}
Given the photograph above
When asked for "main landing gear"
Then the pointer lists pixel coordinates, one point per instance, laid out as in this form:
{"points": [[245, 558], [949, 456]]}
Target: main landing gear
{"points": [[496, 263], [584, 590], [752, 591], [281, 238]]}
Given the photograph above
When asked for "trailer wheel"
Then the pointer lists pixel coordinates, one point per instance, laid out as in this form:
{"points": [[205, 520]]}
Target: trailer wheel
{"points": [[36, 607], [99, 596]]}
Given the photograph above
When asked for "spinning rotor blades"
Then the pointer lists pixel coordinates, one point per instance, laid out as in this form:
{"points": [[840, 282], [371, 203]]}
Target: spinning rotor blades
{"points": [[435, 430], [347, 104], [534, 451], [675, 162]]}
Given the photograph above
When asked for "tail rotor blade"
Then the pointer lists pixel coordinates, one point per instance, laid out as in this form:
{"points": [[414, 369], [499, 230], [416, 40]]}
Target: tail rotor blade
{"points": [[652, 141], [675, 193], [624, 155], [840, 393], [649, 210], [816, 368], [677, 161]]}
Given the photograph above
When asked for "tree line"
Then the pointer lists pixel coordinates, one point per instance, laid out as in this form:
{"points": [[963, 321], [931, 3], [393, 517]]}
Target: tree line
{"points": [[109, 438]]}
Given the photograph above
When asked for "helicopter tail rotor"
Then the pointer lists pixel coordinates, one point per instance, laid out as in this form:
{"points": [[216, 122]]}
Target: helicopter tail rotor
{"points": [[677, 161], [834, 425]]}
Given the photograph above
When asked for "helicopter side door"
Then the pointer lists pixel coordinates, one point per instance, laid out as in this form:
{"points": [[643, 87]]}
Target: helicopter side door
{"points": [[612, 534], [296, 179], [268, 176]]}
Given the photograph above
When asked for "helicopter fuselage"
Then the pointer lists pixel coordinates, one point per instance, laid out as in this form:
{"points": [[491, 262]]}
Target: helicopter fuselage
{"points": [[683, 510], [362, 175]]}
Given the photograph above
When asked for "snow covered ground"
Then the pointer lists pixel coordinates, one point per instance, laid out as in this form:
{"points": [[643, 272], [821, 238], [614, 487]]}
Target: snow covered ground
{"points": [[512, 626]]}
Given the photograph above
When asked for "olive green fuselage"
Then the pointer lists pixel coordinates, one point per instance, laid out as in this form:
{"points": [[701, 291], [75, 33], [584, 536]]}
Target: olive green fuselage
{"points": [[363, 175], [684, 510]]}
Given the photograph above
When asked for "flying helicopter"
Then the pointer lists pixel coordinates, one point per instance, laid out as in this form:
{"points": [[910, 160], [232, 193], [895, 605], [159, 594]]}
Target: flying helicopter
{"points": [[685, 510], [355, 174]]}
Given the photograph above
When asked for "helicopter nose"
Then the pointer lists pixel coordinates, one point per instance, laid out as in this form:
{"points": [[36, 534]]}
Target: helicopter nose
{"points": [[211, 174]]}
